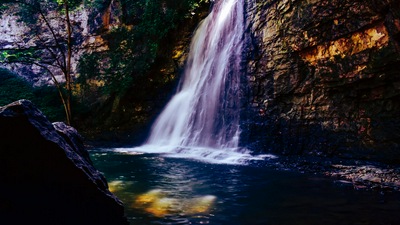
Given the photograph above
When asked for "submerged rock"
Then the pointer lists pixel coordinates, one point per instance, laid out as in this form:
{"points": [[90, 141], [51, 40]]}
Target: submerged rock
{"points": [[359, 174], [47, 176]]}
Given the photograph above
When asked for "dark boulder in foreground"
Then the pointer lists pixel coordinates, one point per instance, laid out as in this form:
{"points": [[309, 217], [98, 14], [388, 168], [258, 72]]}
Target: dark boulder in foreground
{"points": [[46, 174]]}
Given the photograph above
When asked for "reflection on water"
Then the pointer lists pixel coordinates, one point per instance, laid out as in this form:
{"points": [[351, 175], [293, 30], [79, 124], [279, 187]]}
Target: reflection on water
{"points": [[159, 204], [157, 190]]}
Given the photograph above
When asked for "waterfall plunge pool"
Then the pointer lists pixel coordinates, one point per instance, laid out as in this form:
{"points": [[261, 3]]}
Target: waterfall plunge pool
{"points": [[165, 190], [222, 184]]}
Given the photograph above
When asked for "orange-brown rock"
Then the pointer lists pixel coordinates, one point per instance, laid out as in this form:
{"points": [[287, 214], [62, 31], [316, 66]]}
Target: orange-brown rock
{"points": [[324, 78]]}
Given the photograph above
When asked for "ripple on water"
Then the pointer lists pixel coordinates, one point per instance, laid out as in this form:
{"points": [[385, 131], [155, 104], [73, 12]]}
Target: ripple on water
{"points": [[180, 191]]}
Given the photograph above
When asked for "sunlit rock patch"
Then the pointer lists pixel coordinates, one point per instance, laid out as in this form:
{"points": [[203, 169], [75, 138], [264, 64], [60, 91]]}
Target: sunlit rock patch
{"points": [[375, 37]]}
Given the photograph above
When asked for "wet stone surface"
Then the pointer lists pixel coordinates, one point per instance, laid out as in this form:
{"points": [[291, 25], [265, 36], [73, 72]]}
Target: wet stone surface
{"points": [[362, 175], [367, 176]]}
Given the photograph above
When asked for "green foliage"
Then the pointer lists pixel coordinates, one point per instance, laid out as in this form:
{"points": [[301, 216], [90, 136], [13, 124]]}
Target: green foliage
{"points": [[134, 48], [19, 55], [48, 101], [99, 5], [13, 88], [53, 46], [50, 43], [89, 65]]}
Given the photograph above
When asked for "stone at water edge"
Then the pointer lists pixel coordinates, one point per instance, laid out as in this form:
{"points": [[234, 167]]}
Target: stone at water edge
{"points": [[73, 138], [47, 176]]}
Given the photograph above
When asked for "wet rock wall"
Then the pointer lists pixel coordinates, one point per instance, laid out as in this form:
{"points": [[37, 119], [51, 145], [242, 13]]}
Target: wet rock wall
{"points": [[323, 78]]}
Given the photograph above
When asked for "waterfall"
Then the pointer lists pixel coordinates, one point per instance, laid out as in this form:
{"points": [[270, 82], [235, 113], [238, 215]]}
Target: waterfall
{"points": [[205, 112], [202, 119]]}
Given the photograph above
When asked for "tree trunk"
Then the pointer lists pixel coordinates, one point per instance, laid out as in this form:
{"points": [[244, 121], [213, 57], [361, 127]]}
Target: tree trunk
{"points": [[68, 78]]}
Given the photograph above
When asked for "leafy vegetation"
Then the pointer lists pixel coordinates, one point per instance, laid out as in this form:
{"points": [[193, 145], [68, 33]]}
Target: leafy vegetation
{"points": [[134, 47], [13, 88], [139, 46], [53, 47]]}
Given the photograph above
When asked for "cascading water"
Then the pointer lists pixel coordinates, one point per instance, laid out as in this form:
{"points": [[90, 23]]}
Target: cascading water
{"points": [[202, 120], [204, 112]]}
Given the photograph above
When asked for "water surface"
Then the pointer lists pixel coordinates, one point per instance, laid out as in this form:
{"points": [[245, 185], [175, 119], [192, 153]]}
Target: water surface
{"points": [[163, 190]]}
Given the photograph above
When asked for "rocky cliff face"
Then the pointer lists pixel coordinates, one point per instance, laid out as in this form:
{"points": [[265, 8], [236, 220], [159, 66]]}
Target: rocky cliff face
{"points": [[86, 26], [323, 78]]}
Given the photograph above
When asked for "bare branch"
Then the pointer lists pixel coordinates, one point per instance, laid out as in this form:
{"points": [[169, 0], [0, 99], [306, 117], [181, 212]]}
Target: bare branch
{"points": [[53, 55], [53, 34]]}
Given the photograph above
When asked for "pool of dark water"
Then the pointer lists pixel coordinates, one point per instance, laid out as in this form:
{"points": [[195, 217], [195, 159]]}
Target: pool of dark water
{"points": [[162, 190]]}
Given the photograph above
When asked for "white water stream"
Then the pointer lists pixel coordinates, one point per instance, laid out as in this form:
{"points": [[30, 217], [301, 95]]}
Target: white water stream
{"points": [[202, 120]]}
